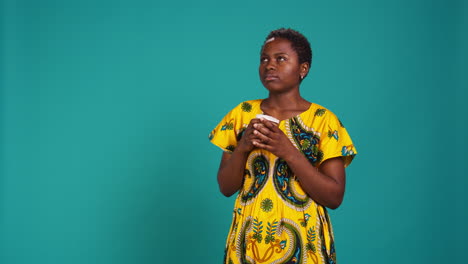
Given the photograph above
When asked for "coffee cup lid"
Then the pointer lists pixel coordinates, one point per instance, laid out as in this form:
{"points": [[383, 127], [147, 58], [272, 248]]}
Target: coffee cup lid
{"points": [[267, 117]]}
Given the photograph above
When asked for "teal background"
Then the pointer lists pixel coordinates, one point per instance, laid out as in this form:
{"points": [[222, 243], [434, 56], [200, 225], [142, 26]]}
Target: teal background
{"points": [[106, 107]]}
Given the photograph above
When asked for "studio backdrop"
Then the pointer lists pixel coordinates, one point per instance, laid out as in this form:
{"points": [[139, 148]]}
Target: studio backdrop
{"points": [[106, 107]]}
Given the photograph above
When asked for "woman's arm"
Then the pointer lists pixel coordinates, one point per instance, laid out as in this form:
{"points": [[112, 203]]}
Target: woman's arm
{"points": [[231, 172], [325, 186], [231, 169]]}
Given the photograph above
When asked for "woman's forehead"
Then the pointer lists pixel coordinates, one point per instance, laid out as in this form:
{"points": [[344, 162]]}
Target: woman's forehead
{"points": [[277, 45]]}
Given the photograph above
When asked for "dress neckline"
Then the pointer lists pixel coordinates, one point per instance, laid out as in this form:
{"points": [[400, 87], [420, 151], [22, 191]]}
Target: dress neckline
{"points": [[281, 120]]}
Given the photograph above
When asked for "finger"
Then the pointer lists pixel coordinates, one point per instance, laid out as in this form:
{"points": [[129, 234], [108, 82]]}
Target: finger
{"points": [[255, 121], [252, 122], [254, 137], [261, 145], [263, 138], [270, 125], [251, 127], [268, 131], [262, 129]]}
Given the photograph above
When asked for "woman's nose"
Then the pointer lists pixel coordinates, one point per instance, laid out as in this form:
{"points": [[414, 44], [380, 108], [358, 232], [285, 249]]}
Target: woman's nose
{"points": [[271, 65]]}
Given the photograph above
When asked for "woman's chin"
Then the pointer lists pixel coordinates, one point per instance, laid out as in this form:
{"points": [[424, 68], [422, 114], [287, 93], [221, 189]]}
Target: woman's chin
{"points": [[276, 89]]}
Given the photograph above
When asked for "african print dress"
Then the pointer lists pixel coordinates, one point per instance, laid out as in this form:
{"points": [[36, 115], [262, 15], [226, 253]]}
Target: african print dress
{"points": [[274, 220]]}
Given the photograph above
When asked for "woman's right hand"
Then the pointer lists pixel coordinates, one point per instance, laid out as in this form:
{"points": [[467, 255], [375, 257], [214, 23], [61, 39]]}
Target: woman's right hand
{"points": [[232, 167], [245, 144]]}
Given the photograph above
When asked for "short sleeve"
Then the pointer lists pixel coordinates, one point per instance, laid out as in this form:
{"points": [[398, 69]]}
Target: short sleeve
{"points": [[335, 141], [226, 134]]}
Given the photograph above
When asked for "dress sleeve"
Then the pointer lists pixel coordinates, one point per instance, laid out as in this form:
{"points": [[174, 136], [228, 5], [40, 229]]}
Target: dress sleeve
{"points": [[226, 134], [336, 141]]}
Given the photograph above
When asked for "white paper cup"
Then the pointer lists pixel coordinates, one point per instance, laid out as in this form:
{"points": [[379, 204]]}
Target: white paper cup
{"points": [[267, 117]]}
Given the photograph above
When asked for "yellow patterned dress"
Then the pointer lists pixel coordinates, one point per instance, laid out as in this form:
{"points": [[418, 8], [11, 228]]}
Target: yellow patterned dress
{"points": [[274, 220]]}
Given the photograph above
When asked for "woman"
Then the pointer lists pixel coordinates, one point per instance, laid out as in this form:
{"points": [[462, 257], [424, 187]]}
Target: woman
{"points": [[286, 173]]}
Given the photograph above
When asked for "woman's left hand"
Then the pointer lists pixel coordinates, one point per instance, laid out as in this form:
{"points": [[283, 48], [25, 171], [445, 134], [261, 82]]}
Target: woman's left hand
{"points": [[273, 139], [325, 185]]}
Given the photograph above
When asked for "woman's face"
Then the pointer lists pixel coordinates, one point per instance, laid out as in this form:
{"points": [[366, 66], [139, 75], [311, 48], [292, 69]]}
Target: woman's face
{"points": [[280, 70]]}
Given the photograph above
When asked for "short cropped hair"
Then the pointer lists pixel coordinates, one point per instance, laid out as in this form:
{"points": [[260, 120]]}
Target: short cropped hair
{"points": [[299, 43]]}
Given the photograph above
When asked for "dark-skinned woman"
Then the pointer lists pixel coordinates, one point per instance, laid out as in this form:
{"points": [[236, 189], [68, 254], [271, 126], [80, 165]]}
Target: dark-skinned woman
{"points": [[286, 158]]}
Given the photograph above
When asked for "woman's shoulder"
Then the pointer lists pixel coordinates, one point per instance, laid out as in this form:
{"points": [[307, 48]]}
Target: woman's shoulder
{"points": [[249, 106], [321, 111], [323, 117], [320, 116]]}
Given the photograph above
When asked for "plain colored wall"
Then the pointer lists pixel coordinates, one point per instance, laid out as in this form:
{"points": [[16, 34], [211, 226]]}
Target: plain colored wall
{"points": [[106, 107]]}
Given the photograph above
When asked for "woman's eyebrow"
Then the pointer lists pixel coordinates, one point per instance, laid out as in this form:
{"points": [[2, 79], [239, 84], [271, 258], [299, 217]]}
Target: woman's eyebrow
{"points": [[278, 53]]}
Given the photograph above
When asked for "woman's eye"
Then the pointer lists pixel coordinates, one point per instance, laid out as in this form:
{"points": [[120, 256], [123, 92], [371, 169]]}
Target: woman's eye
{"points": [[281, 58], [263, 60]]}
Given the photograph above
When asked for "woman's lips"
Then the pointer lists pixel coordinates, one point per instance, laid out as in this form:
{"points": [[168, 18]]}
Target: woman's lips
{"points": [[271, 77]]}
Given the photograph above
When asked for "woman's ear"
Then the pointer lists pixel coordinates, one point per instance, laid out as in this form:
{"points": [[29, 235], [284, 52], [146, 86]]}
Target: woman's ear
{"points": [[304, 67]]}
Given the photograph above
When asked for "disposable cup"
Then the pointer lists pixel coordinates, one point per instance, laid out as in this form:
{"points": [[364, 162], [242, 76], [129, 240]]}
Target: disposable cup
{"points": [[267, 117]]}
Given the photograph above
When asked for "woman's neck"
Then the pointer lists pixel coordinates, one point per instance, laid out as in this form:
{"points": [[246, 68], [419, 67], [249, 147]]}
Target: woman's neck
{"points": [[284, 106]]}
